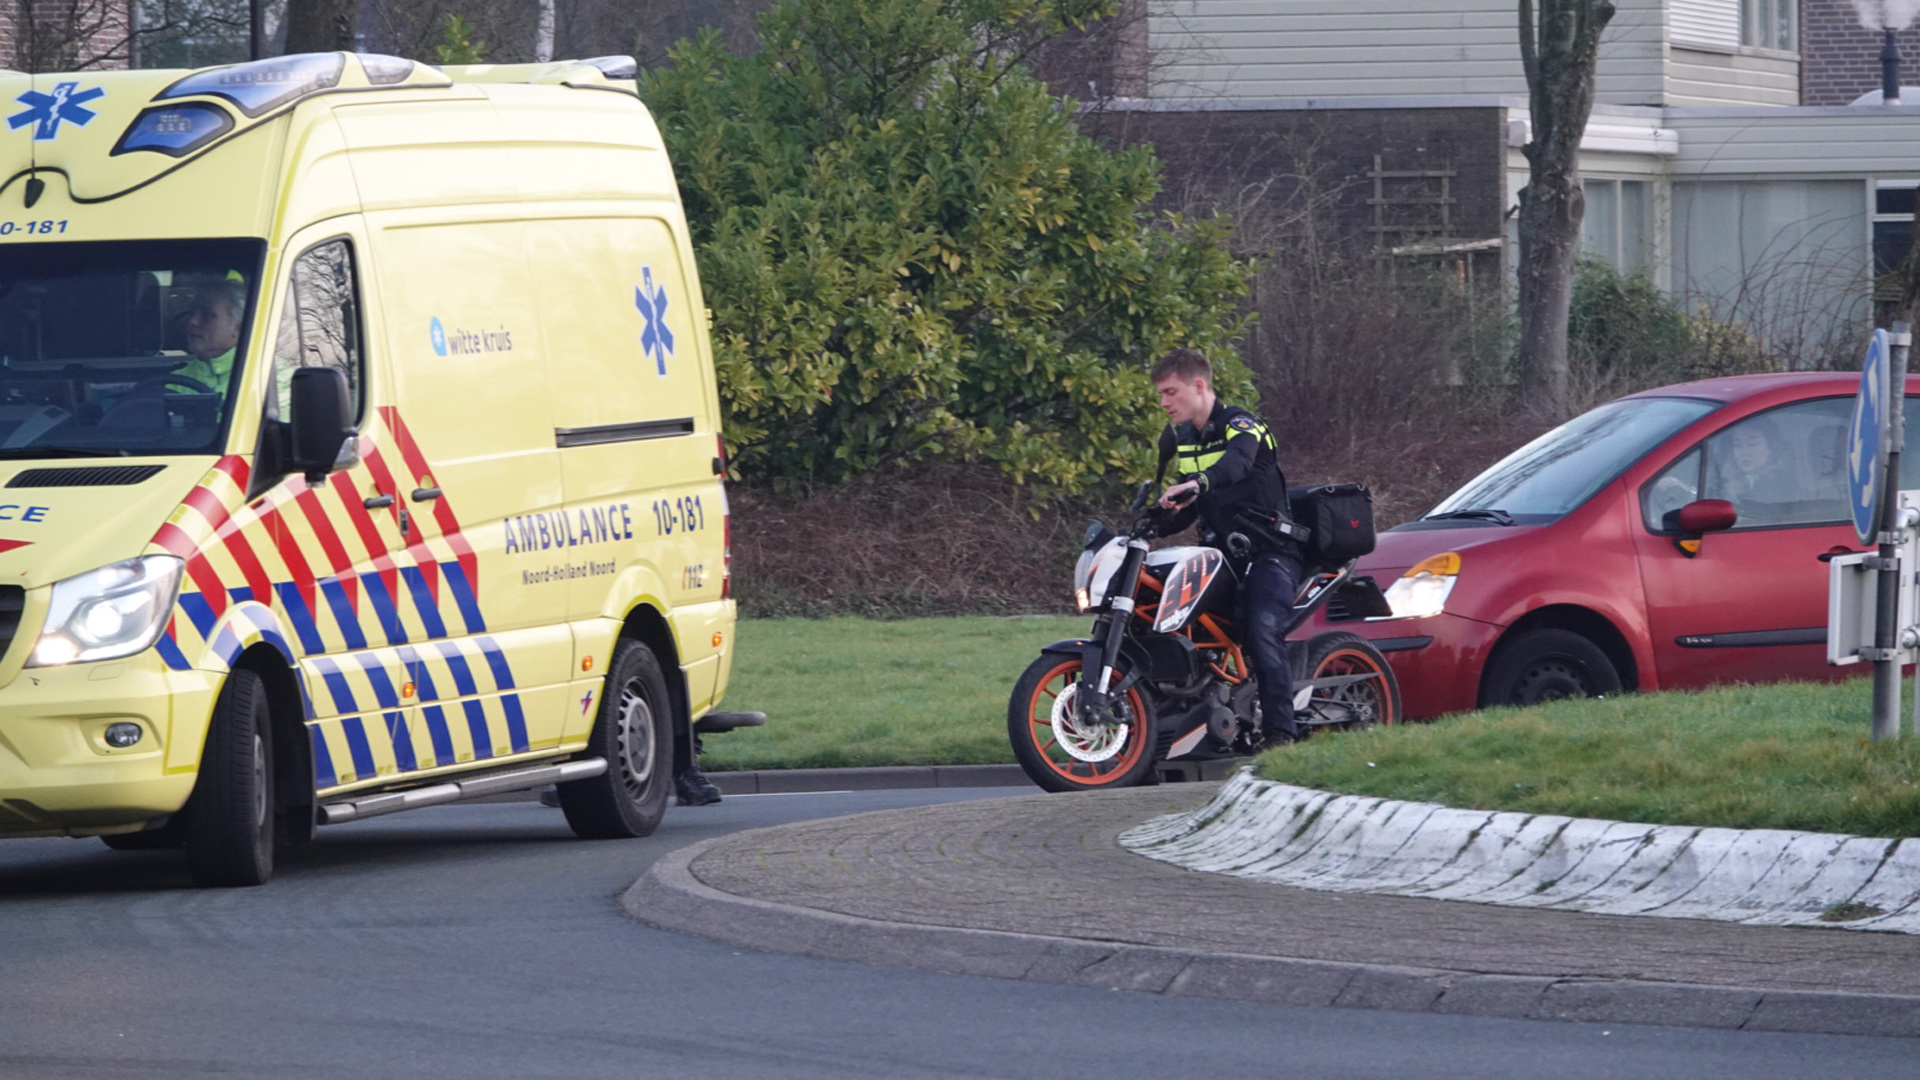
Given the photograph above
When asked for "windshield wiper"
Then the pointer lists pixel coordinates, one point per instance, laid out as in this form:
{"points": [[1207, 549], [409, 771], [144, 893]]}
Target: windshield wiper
{"points": [[60, 452], [1498, 517]]}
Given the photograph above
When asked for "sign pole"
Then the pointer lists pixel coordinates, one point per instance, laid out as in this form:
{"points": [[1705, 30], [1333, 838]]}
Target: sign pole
{"points": [[1886, 631]]}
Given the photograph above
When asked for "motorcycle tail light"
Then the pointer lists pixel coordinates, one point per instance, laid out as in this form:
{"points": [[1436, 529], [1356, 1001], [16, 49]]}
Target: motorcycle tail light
{"points": [[726, 545]]}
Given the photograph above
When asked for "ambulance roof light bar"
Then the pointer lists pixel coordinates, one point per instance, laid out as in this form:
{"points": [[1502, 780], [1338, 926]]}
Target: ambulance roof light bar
{"points": [[263, 85], [600, 73]]}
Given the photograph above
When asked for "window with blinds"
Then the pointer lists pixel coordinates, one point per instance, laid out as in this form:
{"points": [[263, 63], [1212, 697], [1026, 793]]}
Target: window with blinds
{"points": [[1705, 24]]}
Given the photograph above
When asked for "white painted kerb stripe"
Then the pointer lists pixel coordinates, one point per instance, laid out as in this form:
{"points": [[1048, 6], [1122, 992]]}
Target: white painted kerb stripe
{"points": [[1347, 843]]}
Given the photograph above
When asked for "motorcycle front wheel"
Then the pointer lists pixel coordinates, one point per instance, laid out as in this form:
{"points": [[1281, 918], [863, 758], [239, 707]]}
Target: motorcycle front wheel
{"points": [[1061, 752]]}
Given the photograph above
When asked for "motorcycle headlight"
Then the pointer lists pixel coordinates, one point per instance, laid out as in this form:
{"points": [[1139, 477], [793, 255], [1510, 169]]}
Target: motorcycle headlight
{"points": [[1423, 589], [1094, 572], [111, 612]]}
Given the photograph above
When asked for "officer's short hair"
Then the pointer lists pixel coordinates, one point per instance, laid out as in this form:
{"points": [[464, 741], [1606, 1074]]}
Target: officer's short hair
{"points": [[227, 292], [1185, 365]]}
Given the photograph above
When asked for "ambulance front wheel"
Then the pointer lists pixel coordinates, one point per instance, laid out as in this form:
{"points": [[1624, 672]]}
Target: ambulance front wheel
{"points": [[634, 733], [229, 818]]}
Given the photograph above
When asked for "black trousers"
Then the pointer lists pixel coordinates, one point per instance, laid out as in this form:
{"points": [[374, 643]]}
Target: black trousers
{"points": [[1268, 591]]}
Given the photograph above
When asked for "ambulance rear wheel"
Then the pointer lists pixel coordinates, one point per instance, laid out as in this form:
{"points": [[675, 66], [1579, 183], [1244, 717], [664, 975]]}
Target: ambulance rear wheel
{"points": [[634, 733], [229, 819]]}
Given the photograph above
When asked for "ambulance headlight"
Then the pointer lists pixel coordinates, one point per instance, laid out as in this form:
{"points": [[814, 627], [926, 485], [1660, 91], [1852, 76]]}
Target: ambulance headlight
{"points": [[111, 612]]}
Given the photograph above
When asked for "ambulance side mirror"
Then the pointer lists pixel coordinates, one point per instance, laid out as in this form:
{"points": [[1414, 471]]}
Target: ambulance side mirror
{"points": [[320, 430]]}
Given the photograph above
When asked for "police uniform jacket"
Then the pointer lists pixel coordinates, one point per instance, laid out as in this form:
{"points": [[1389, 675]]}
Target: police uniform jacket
{"points": [[1237, 463]]}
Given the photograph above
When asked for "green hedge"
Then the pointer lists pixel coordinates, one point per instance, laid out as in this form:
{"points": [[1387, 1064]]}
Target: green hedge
{"points": [[911, 252]]}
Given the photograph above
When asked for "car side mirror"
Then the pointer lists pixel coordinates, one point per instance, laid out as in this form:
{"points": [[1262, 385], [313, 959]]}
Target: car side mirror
{"points": [[1700, 517], [320, 429], [1703, 516]]}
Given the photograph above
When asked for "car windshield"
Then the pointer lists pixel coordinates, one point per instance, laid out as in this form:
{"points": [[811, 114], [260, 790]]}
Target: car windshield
{"points": [[1563, 468], [113, 349]]}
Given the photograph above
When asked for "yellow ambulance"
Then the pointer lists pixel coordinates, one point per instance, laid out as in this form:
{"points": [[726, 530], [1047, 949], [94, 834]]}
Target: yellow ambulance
{"points": [[359, 450]]}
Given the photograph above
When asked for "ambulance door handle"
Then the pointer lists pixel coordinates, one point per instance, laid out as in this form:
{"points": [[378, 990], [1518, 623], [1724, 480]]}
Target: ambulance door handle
{"points": [[378, 502], [423, 494]]}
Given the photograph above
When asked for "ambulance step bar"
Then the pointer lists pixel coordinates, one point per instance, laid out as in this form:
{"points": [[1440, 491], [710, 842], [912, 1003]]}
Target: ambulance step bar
{"points": [[460, 790]]}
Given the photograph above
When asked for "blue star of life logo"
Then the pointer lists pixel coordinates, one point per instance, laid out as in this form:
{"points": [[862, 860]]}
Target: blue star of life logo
{"points": [[66, 104], [655, 339]]}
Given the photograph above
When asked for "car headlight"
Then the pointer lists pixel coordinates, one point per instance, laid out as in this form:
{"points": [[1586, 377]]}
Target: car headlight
{"points": [[114, 611], [1423, 589]]}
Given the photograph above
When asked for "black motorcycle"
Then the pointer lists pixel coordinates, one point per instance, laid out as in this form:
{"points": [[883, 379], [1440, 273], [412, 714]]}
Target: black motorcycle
{"points": [[1162, 675]]}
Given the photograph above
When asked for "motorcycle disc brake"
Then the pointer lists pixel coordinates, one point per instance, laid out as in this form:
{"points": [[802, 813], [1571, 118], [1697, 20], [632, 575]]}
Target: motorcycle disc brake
{"points": [[1091, 743]]}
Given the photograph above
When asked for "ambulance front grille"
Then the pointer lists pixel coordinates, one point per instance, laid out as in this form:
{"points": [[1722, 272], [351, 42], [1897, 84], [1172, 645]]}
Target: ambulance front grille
{"points": [[13, 600]]}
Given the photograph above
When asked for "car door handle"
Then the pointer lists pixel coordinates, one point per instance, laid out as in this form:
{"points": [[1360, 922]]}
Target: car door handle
{"points": [[1837, 551], [423, 494], [378, 502]]}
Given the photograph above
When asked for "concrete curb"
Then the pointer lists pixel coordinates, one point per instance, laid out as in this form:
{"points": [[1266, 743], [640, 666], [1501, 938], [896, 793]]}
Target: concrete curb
{"points": [[1346, 843], [669, 896]]}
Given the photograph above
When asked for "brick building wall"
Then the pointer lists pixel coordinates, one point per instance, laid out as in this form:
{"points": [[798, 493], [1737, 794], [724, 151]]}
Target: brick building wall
{"points": [[63, 35], [9, 34], [1210, 155], [1840, 59]]}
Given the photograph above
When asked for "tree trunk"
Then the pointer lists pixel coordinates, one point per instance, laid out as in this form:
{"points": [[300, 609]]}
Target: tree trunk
{"points": [[1560, 51], [543, 33], [322, 25]]}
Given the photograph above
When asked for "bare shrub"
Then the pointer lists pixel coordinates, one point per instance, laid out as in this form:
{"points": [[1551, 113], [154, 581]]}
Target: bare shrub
{"points": [[932, 541], [1627, 334]]}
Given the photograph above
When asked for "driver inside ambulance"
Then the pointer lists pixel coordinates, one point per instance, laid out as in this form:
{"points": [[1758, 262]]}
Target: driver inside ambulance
{"points": [[210, 330]]}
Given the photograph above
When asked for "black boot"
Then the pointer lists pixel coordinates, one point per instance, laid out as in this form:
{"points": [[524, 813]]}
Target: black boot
{"points": [[694, 788]]}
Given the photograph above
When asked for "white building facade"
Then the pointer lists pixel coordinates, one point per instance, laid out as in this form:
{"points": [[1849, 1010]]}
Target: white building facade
{"points": [[1701, 166]]}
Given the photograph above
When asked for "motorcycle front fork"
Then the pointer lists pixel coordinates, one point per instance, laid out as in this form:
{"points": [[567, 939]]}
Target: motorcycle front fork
{"points": [[1100, 662]]}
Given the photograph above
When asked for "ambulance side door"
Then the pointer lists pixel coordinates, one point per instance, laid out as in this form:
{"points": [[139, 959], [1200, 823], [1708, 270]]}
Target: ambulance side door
{"points": [[469, 436], [339, 543]]}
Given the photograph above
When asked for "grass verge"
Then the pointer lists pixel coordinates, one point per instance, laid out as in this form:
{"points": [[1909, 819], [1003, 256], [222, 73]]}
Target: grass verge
{"points": [[849, 691], [1787, 756]]}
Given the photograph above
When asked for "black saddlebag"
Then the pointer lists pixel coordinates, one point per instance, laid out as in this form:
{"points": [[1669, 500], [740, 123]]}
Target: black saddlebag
{"points": [[1338, 519]]}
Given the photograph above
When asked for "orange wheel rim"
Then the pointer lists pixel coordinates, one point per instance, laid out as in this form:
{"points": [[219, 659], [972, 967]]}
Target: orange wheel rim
{"points": [[1376, 692], [1041, 733]]}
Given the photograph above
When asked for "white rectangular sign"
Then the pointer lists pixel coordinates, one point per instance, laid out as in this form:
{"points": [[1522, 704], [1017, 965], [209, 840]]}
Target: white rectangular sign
{"points": [[1853, 597]]}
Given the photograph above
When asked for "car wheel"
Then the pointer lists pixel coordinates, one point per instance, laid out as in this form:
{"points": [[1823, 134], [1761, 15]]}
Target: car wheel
{"points": [[1548, 665], [229, 819], [634, 732]]}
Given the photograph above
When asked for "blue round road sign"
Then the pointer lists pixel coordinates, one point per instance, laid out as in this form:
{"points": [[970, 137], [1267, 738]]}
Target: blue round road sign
{"points": [[1867, 440]]}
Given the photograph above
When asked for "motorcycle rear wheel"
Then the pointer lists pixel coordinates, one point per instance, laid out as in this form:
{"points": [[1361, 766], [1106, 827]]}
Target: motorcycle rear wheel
{"points": [[1104, 755], [1371, 701]]}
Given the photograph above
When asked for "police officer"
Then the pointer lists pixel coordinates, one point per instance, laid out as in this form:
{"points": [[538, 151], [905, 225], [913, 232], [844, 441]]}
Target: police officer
{"points": [[1230, 479]]}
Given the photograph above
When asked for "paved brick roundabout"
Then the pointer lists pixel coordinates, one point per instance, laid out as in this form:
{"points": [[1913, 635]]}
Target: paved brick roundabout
{"points": [[1036, 887]]}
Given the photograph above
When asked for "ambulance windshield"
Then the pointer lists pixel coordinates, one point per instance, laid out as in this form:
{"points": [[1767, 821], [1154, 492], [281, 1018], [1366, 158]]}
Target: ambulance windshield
{"points": [[122, 348]]}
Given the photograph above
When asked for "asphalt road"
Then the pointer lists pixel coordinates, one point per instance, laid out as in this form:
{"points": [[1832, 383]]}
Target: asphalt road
{"points": [[484, 941]]}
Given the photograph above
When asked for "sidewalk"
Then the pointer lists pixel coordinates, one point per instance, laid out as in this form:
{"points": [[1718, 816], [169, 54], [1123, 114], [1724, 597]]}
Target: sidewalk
{"points": [[1037, 888]]}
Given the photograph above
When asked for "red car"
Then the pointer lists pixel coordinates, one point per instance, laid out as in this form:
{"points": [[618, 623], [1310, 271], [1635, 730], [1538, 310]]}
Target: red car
{"points": [[1564, 571]]}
